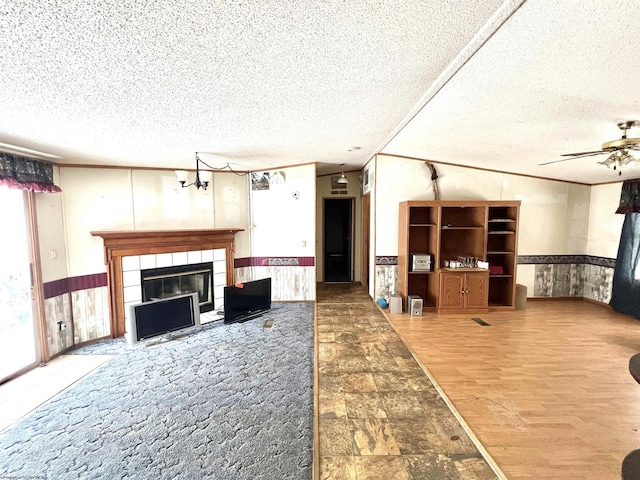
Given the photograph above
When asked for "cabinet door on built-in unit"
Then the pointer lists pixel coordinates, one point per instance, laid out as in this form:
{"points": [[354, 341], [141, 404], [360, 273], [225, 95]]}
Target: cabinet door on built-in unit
{"points": [[451, 287], [476, 289]]}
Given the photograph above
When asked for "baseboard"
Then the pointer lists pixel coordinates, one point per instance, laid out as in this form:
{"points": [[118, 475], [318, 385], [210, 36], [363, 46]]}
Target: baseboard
{"points": [[568, 299]]}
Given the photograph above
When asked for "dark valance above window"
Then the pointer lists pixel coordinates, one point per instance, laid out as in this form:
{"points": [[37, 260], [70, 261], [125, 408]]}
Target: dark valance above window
{"points": [[26, 173], [630, 197]]}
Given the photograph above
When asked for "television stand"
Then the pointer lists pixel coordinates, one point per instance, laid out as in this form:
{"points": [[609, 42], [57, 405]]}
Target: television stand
{"points": [[250, 316], [169, 337]]}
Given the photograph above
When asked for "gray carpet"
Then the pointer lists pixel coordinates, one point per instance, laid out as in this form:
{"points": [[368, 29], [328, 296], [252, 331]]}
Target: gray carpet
{"points": [[227, 402]]}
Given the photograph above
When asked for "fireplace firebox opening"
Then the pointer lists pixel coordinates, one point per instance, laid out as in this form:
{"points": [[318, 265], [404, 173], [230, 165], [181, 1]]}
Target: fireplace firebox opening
{"points": [[167, 282]]}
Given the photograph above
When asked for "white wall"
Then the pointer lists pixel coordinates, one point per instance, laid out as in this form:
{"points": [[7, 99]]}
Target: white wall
{"points": [[283, 225], [53, 250], [160, 203], [94, 199], [605, 226], [231, 208], [554, 218], [124, 199], [354, 191]]}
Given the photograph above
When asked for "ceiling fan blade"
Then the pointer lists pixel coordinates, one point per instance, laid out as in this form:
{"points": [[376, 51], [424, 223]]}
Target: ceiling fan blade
{"points": [[580, 154], [577, 155]]}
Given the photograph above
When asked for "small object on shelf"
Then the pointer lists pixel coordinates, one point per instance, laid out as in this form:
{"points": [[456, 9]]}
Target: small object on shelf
{"points": [[496, 270], [468, 262], [420, 262]]}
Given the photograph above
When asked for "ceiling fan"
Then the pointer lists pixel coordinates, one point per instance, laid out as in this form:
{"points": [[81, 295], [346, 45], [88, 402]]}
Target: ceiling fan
{"points": [[618, 149]]}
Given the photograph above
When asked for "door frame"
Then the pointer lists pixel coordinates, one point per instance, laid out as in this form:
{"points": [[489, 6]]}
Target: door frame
{"points": [[351, 243], [41, 349], [37, 289], [366, 231]]}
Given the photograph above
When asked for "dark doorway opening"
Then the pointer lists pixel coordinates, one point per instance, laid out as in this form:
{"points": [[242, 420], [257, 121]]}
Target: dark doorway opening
{"points": [[338, 244]]}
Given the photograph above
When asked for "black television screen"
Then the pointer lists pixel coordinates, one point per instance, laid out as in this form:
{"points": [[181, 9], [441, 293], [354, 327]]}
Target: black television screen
{"points": [[150, 319], [246, 300]]}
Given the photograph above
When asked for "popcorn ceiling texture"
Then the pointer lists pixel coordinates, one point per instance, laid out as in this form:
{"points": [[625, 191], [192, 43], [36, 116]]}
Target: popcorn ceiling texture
{"points": [[554, 79], [504, 85], [261, 83]]}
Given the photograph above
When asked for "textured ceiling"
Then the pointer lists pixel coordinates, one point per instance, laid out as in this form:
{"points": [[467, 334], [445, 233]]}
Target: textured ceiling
{"points": [[554, 79], [262, 84]]}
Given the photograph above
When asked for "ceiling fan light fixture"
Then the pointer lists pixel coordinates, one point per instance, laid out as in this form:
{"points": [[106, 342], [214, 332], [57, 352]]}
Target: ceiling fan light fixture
{"points": [[619, 157]]}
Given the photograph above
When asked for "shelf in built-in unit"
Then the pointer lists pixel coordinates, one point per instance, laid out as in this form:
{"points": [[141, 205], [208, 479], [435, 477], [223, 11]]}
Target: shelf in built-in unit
{"points": [[422, 224], [420, 273], [507, 252], [451, 227], [501, 232], [501, 220], [500, 276]]}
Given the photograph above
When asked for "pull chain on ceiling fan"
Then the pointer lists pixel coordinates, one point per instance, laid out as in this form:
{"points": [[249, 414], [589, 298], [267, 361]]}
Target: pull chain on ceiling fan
{"points": [[618, 149]]}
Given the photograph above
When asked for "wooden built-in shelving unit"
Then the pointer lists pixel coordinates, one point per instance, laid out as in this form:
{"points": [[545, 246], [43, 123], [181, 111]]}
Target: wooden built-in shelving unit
{"points": [[447, 230]]}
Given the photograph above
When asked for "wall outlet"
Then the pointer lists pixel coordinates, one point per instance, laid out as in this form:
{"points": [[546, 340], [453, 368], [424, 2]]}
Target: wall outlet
{"points": [[62, 326], [304, 243], [53, 254]]}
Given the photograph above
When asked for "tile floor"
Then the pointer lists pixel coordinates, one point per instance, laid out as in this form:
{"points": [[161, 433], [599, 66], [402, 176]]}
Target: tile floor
{"points": [[380, 417]]}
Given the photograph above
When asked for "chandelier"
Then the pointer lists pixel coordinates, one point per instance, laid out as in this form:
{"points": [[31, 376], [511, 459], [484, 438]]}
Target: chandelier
{"points": [[199, 182]]}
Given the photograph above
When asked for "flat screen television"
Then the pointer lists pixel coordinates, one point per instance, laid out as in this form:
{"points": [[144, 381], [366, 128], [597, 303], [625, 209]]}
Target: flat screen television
{"points": [[243, 301], [162, 316]]}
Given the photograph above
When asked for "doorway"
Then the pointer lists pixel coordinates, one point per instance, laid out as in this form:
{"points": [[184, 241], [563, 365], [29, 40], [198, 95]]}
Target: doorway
{"points": [[18, 334], [338, 240]]}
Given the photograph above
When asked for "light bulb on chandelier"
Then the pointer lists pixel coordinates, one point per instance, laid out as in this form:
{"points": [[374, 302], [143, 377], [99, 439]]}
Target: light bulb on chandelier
{"points": [[202, 178]]}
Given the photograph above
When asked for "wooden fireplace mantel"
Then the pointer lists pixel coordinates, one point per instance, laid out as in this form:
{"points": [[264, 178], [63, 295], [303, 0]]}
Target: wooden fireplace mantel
{"points": [[118, 244]]}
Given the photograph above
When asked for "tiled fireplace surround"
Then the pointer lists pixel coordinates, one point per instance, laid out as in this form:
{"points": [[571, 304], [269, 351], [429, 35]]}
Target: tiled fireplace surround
{"points": [[127, 252], [132, 265]]}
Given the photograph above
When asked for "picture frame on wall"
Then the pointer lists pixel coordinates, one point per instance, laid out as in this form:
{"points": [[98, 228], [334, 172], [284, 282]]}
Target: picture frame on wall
{"points": [[366, 183], [260, 181]]}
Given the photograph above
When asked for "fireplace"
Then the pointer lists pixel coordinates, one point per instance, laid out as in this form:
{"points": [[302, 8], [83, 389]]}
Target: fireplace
{"points": [[119, 245], [167, 282]]}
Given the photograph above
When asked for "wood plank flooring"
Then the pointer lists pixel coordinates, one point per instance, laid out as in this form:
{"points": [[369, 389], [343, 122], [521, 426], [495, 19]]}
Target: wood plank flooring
{"points": [[547, 389]]}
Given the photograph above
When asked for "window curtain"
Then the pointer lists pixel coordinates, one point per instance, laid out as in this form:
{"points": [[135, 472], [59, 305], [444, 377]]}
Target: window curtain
{"points": [[630, 197], [625, 296], [26, 173]]}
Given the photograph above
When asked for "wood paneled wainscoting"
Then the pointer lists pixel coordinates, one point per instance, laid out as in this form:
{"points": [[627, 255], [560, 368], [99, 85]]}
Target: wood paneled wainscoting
{"points": [[118, 244]]}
